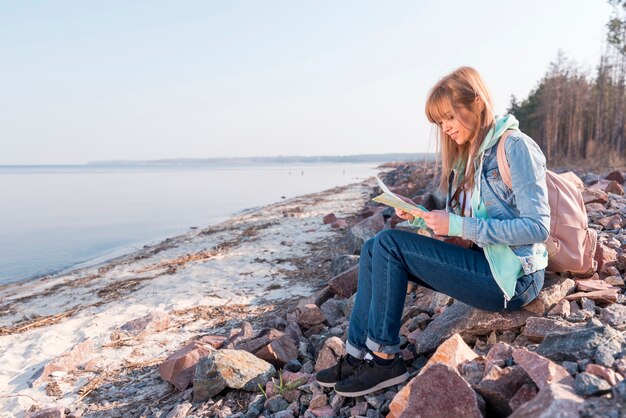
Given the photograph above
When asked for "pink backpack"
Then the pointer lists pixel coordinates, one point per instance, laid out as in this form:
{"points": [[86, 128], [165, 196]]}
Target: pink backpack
{"points": [[571, 244]]}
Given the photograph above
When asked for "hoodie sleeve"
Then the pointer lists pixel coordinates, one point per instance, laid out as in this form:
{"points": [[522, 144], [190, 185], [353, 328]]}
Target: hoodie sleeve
{"points": [[532, 225]]}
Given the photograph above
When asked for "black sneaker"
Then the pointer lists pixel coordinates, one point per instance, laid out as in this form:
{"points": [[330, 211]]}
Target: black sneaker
{"points": [[342, 370], [371, 376]]}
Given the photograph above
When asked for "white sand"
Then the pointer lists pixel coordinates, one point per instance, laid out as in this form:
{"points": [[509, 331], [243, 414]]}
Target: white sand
{"points": [[255, 250]]}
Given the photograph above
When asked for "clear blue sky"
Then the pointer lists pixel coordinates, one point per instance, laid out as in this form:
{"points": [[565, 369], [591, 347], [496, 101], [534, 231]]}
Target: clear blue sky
{"points": [[86, 80]]}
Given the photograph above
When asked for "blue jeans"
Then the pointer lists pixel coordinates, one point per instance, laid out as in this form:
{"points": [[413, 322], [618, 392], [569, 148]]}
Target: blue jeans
{"points": [[393, 257]]}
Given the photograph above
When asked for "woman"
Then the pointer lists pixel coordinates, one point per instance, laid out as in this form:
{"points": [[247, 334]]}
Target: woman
{"points": [[501, 270]]}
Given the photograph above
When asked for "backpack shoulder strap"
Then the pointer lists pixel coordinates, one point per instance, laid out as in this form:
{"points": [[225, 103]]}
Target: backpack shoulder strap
{"points": [[503, 165]]}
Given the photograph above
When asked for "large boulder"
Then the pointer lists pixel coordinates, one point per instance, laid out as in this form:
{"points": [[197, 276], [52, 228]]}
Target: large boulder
{"points": [[429, 395], [234, 369], [555, 400], [468, 322], [580, 344], [179, 368]]}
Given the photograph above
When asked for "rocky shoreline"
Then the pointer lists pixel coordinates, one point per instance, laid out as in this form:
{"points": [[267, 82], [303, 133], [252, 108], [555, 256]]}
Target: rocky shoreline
{"points": [[254, 353]]}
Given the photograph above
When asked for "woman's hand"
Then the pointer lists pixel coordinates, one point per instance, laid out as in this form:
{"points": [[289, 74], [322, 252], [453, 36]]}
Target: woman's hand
{"points": [[436, 220], [402, 214]]}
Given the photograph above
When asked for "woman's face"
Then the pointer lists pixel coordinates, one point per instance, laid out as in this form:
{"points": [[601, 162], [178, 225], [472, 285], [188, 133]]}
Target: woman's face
{"points": [[455, 125]]}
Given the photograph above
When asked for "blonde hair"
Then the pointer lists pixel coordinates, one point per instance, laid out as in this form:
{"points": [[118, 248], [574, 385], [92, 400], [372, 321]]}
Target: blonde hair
{"points": [[460, 93]]}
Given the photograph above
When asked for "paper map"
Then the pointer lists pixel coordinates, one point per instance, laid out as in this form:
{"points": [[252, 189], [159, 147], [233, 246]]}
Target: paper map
{"points": [[389, 198]]}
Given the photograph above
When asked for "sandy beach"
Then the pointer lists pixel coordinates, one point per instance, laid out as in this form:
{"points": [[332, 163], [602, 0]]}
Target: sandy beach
{"points": [[203, 281]]}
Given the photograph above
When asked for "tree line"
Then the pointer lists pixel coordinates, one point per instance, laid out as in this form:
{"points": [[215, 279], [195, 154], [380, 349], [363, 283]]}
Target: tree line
{"points": [[576, 117]]}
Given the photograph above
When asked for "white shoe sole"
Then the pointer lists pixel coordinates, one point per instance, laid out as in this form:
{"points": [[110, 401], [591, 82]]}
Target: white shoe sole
{"points": [[381, 385], [326, 385]]}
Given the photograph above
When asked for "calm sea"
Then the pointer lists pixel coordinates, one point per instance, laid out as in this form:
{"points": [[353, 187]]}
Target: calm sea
{"points": [[53, 218]]}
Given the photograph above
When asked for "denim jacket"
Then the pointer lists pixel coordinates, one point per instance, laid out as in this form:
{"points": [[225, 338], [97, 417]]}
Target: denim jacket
{"points": [[517, 219]]}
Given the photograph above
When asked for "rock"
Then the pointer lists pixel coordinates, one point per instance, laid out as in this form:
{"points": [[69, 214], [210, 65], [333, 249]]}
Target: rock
{"points": [[180, 410], [276, 403], [344, 284], [611, 222], [499, 385], [235, 369], [616, 175], [555, 400], [588, 384], [576, 314], [440, 302], [252, 345], [615, 281], [588, 285], [620, 366], [428, 395], [343, 262], [537, 328], [603, 373], [499, 354], [153, 322], [595, 207], [310, 315], [474, 370], [601, 296], [604, 255], [524, 394], [239, 335], [359, 409], [279, 351], [605, 354], [595, 196], [325, 411], [293, 365], [561, 309], [614, 187], [468, 322], [554, 289], [340, 224], [541, 370], [337, 402], [614, 315], [319, 400], [66, 362], [53, 412], [451, 352], [329, 219], [579, 343], [329, 354], [179, 367], [363, 231], [216, 341], [333, 311]]}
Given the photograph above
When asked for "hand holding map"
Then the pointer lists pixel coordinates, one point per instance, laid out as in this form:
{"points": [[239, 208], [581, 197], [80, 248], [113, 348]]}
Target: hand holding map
{"points": [[396, 201]]}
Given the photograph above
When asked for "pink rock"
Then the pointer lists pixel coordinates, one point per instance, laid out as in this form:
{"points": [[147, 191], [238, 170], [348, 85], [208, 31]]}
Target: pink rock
{"points": [[54, 412], [595, 196], [310, 315], [318, 401], [359, 409], [537, 328], [451, 352], [542, 370], [561, 309], [555, 400], [344, 284], [611, 222], [329, 219], [498, 354], [499, 385], [429, 395], [325, 411], [340, 223], [279, 351], [614, 187], [66, 362], [179, 368], [595, 207], [555, 289], [329, 354], [604, 255], [603, 373], [180, 410], [616, 175], [523, 395], [216, 341], [153, 322]]}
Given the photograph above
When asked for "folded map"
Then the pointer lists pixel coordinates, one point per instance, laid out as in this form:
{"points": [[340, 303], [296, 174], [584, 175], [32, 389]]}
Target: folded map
{"points": [[389, 198]]}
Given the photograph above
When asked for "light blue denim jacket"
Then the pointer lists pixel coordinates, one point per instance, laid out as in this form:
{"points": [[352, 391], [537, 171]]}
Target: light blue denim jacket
{"points": [[519, 217]]}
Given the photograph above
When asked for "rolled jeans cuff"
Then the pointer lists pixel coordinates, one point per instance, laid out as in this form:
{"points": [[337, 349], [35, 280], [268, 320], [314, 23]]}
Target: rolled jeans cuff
{"points": [[354, 351], [381, 348]]}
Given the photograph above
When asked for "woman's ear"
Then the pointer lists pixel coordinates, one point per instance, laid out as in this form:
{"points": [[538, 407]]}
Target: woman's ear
{"points": [[480, 105]]}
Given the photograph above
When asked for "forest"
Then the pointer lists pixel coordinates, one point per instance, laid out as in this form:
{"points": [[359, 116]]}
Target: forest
{"points": [[578, 117]]}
